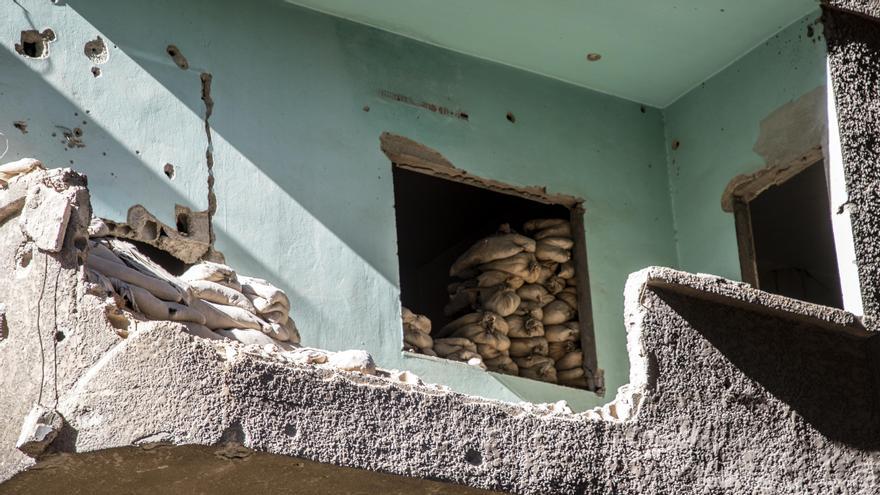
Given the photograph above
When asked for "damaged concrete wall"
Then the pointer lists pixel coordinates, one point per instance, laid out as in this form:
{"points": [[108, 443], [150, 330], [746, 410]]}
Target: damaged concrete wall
{"points": [[762, 111], [303, 192], [732, 390], [853, 53]]}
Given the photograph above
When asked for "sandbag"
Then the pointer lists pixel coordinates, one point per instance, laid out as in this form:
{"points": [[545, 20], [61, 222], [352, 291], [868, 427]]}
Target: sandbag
{"points": [[488, 351], [546, 271], [529, 306], [252, 287], [502, 364], [557, 312], [218, 316], [292, 332], [522, 328], [459, 322], [571, 360], [527, 347], [100, 250], [494, 278], [566, 270], [278, 317], [554, 285], [159, 288], [19, 167], [533, 361], [480, 335], [571, 282], [534, 292], [220, 294], [564, 243], [522, 265], [561, 230], [543, 223], [500, 301], [141, 300], [464, 300], [415, 322], [458, 342], [179, 312], [561, 333], [549, 252], [247, 336], [543, 373], [428, 352], [569, 297], [277, 332], [213, 272], [571, 374], [490, 249], [418, 339], [576, 383], [558, 350]]}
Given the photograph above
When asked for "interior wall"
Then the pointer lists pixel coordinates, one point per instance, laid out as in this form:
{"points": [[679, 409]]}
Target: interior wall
{"points": [[764, 110], [304, 194]]}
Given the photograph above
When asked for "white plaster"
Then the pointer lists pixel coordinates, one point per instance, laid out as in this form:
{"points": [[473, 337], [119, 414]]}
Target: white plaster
{"points": [[840, 214]]}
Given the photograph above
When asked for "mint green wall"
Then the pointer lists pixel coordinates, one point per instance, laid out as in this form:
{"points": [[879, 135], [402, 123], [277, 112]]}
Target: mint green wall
{"points": [[718, 125], [304, 193]]}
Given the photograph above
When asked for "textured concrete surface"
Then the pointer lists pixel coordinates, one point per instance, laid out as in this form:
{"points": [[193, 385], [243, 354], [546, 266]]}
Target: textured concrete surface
{"points": [[853, 55], [732, 390]]}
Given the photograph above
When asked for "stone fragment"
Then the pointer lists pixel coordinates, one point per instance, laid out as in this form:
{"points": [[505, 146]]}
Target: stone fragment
{"points": [[39, 429], [44, 217], [353, 360]]}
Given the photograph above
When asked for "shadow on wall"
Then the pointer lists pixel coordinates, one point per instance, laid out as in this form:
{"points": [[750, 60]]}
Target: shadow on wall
{"points": [[336, 172], [826, 377], [105, 161]]}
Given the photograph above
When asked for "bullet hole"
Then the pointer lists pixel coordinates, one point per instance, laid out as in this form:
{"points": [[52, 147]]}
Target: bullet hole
{"points": [[177, 57], [137, 152], [96, 72], [463, 116], [21, 126], [169, 170], [35, 44], [643, 109], [103, 153], [594, 57], [72, 138], [77, 132], [366, 108], [24, 254], [59, 336], [473, 457], [810, 31], [511, 117], [96, 51], [676, 144]]}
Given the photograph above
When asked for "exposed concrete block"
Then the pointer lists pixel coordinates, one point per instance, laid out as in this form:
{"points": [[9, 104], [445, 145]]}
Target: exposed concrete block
{"points": [[45, 216], [39, 429]]}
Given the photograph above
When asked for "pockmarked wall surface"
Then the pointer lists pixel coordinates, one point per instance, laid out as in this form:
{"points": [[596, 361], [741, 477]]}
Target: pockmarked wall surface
{"points": [[765, 110], [272, 114]]}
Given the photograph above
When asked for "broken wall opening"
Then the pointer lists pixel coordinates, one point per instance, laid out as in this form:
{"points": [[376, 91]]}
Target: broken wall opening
{"points": [[787, 240], [438, 220]]}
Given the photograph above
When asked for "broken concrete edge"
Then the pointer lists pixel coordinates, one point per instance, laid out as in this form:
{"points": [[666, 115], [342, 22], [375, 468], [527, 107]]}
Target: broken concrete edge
{"points": [[411, 155], [865, 8], [746, 187]]}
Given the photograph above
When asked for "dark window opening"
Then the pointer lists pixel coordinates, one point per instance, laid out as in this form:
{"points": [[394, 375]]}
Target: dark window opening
{"points": [[787, 242], [438, 219]]}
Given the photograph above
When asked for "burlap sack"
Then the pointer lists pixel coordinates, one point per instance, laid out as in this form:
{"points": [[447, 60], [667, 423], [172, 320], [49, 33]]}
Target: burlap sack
{"points": [[218, 316], [463, 300], [576, 383], [181, 313], [546, 270], [557, 312], [213, 272], [499, 301], [544, 373], [490, 249], [446, 346], [488, 351], [533, 361], [159, 288], [543, 223], [494, 278], [569, 297], [257, 287], [527, 347], [524, 327], [549, 252], [534, 292], [564, 243], [561, 230], [140, 300], [554, 285], [558, 350], [571, 374], [502, 364], [566, 270], [220, 294], [522, 265], [561, 333], [418, 339], [415, 322], [571, 360]]}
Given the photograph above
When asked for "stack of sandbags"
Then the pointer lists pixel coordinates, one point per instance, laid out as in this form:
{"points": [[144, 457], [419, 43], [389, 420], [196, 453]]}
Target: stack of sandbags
{"points": [[528, 281], [482, 335], [417, 333], [207, 297]]}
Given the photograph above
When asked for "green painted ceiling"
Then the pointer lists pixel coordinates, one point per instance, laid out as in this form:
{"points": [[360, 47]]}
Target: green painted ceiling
{"points": [[652, 51]]}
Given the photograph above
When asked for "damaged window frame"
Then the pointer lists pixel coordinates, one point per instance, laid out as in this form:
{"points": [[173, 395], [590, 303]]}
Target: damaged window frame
{"points": [[414, 157]]}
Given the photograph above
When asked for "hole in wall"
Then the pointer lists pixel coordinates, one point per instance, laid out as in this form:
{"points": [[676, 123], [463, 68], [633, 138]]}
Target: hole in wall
{"points": [[594, 57], [183, 223], [34, 44], [511, 117], [96, 51], [473, 457], [676, 144], [169, 170], [21, 126], [59, 336], [177, 57], [96, 72]]}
